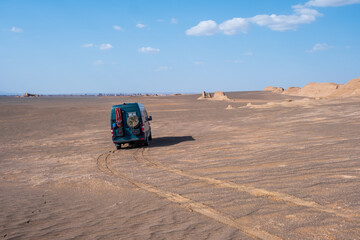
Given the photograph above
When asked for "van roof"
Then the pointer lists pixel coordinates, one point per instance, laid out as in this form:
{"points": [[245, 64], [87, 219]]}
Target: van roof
{"points": [[127, 105]]}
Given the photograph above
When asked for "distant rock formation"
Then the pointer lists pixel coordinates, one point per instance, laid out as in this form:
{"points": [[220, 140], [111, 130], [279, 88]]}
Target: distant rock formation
{"points": [[292, 91], [220, 96], [318, 90], [274, 89], [323, 90], [29, 95], [217, 96], [205, 95]]}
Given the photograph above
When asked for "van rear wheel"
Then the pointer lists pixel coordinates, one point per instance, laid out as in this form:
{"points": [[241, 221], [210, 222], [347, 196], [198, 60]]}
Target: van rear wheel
{"points": [[146, 142], [118, 146]]}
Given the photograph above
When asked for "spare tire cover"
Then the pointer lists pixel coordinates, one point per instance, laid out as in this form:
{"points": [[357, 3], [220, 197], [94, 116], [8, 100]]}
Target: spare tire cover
{"points": [[133, 121]]}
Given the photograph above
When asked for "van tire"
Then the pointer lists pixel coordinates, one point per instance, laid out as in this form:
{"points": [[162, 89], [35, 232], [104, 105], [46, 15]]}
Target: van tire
{"points": [[118, 146], [146, 142]]}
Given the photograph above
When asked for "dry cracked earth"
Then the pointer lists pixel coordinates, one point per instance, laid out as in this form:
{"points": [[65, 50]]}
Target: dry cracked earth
{"points": [[271, 172]]}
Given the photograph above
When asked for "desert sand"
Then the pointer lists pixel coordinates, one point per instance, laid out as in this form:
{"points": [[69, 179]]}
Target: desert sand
{"points": [[258, 169]]}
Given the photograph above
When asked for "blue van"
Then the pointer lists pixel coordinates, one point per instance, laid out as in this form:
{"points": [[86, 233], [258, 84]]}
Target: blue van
{"points": [[130, 123]]}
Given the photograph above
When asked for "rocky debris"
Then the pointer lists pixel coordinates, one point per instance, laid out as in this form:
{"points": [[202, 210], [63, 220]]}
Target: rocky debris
{"points": [[30, 95]]}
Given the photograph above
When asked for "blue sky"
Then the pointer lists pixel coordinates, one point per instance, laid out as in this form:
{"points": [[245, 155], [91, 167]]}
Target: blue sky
{"points": [[54, 47]]}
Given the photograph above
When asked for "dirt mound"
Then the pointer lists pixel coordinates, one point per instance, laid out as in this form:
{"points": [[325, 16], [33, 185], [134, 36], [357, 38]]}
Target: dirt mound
{"points": [[274, 89], [229, 107]]}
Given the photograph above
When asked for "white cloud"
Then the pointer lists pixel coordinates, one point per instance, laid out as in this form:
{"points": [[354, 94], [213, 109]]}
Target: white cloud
{"points": [[331, 3], [98, 62], [174, 21], [302, 15], [140, 25], [17, 30], [105, 46], [204, 28], [249, 53], [88, 45], [148, 50], [320, 47], [163, 68], [118, 28], [233, 26]]}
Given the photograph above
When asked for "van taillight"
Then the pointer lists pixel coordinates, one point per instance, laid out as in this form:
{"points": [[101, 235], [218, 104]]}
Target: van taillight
{"points": [[142, 127], [112, 132], [118, 117]]}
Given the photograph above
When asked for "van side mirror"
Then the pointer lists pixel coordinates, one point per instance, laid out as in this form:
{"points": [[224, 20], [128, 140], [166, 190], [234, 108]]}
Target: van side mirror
{"points": [[149, 118]]}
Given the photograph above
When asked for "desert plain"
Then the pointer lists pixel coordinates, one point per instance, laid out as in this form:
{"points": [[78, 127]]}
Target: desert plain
{"points": [[269, 166]]}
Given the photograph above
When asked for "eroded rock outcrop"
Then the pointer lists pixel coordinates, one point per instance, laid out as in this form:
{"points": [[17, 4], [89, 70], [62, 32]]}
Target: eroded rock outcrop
{"points": [[216, 96], [29, 95], [274, 89], [322, 90]]}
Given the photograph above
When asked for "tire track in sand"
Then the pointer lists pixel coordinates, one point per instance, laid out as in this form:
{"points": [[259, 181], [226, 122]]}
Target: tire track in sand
{"points": [[257, 192], [105, 165]]}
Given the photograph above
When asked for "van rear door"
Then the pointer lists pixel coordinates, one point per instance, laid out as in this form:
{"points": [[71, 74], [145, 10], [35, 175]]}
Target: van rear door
{"points": [[133, 122], [118, 123]]}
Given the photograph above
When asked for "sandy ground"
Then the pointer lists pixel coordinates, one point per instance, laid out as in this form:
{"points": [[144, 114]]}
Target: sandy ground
{"points": [[270, 172]]}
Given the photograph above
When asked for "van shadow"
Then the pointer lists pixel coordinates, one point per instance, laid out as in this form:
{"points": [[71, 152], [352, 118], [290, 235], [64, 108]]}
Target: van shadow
{"points": [[169, 141]]}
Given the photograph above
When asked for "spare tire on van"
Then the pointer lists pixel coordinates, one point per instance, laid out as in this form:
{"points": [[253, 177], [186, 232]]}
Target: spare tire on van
{"points": [[133, 121]]}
